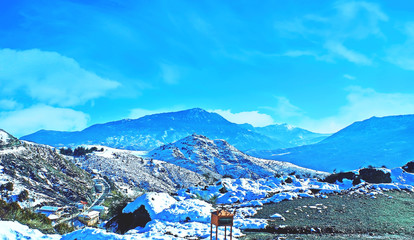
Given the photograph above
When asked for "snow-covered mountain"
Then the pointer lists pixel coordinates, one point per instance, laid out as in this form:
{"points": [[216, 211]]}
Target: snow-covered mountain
{"points": [[216, 158], [152, 131], [134, 173], [45, 174], [376, 141]]}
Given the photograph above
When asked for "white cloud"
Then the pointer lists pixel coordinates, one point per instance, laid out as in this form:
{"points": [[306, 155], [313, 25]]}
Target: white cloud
{"points": [[340, 50], [284, 110], [362, 103], [29, 120], [49, 78], [350, 77], [252, 117]]}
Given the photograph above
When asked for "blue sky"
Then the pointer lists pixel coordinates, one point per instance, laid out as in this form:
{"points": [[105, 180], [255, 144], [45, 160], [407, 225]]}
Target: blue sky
{"points": [[320, 65]]}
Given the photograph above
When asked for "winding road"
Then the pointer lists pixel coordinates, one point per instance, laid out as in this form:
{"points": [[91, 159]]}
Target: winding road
{"points": [[98, 201]]}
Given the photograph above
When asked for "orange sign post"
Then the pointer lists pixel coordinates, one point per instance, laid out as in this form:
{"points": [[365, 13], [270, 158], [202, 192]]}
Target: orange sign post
{"points": [[221, 218]]}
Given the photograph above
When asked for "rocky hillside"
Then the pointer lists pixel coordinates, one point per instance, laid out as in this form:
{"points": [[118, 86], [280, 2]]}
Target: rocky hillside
{"points": [[45, 174], [132, 173], [218, 158]]}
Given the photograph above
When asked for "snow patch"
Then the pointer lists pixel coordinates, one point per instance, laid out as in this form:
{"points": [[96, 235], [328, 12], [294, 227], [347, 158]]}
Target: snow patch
{"points": [[153, 202]]}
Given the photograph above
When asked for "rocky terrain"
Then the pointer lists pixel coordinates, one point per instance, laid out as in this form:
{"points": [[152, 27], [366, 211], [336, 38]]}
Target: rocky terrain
{"points": [[45, 174], [134, 173], [217, 158]]}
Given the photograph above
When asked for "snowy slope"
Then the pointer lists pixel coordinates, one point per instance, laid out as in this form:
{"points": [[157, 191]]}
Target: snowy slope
{"points": [[189, 218], [376, 141], [216, 158], [131, 172], [45, 174]]}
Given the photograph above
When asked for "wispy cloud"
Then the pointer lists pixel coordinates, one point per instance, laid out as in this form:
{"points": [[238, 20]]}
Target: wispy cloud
{"points": [[49, 78], [285, 110], [327, 35], [254, 118], [25, 121], [402, 54], [340, 50], [350, 77]]}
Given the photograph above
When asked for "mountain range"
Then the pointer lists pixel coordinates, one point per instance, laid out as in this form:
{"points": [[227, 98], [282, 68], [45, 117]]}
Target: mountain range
{"points": [[376, 141], [151, 131]]}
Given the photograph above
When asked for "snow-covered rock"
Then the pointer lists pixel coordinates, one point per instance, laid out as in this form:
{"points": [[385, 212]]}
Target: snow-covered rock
{"points": [[153, 202], [190, 210], [277, 216]]}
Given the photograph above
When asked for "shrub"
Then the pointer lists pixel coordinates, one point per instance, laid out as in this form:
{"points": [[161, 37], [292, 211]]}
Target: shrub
{"points": [[23, 195], [13, 212], [63, 228]]}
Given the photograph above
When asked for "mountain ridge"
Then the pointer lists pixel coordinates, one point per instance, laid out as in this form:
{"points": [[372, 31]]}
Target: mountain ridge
{"points": [[151, 131], [375, 141]]}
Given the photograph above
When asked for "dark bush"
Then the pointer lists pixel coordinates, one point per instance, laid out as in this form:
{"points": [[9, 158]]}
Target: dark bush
{"points": [[339, 177], [409, 167], [372, 175], [63, 228], [23, 195]]}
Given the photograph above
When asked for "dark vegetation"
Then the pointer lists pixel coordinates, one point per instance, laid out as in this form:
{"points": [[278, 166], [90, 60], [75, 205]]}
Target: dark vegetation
{"points": [[115, 203], [79, 151], [370, 175], [13, 212], [63, 228], [409, 167]]}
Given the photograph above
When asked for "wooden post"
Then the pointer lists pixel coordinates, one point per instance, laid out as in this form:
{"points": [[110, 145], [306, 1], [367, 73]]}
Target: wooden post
{"points": [[211, 231], [216, 232], [225, 232], [231, 232]]}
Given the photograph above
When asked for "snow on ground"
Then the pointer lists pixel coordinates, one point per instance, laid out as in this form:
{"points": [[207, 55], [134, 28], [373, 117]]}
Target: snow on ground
{"points": [[187, 210], [15, 231], [186, 217], [153, 202]]}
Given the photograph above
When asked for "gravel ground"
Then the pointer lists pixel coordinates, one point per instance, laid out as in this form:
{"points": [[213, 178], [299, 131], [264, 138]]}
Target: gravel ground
{"points": [[356, 216]]}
